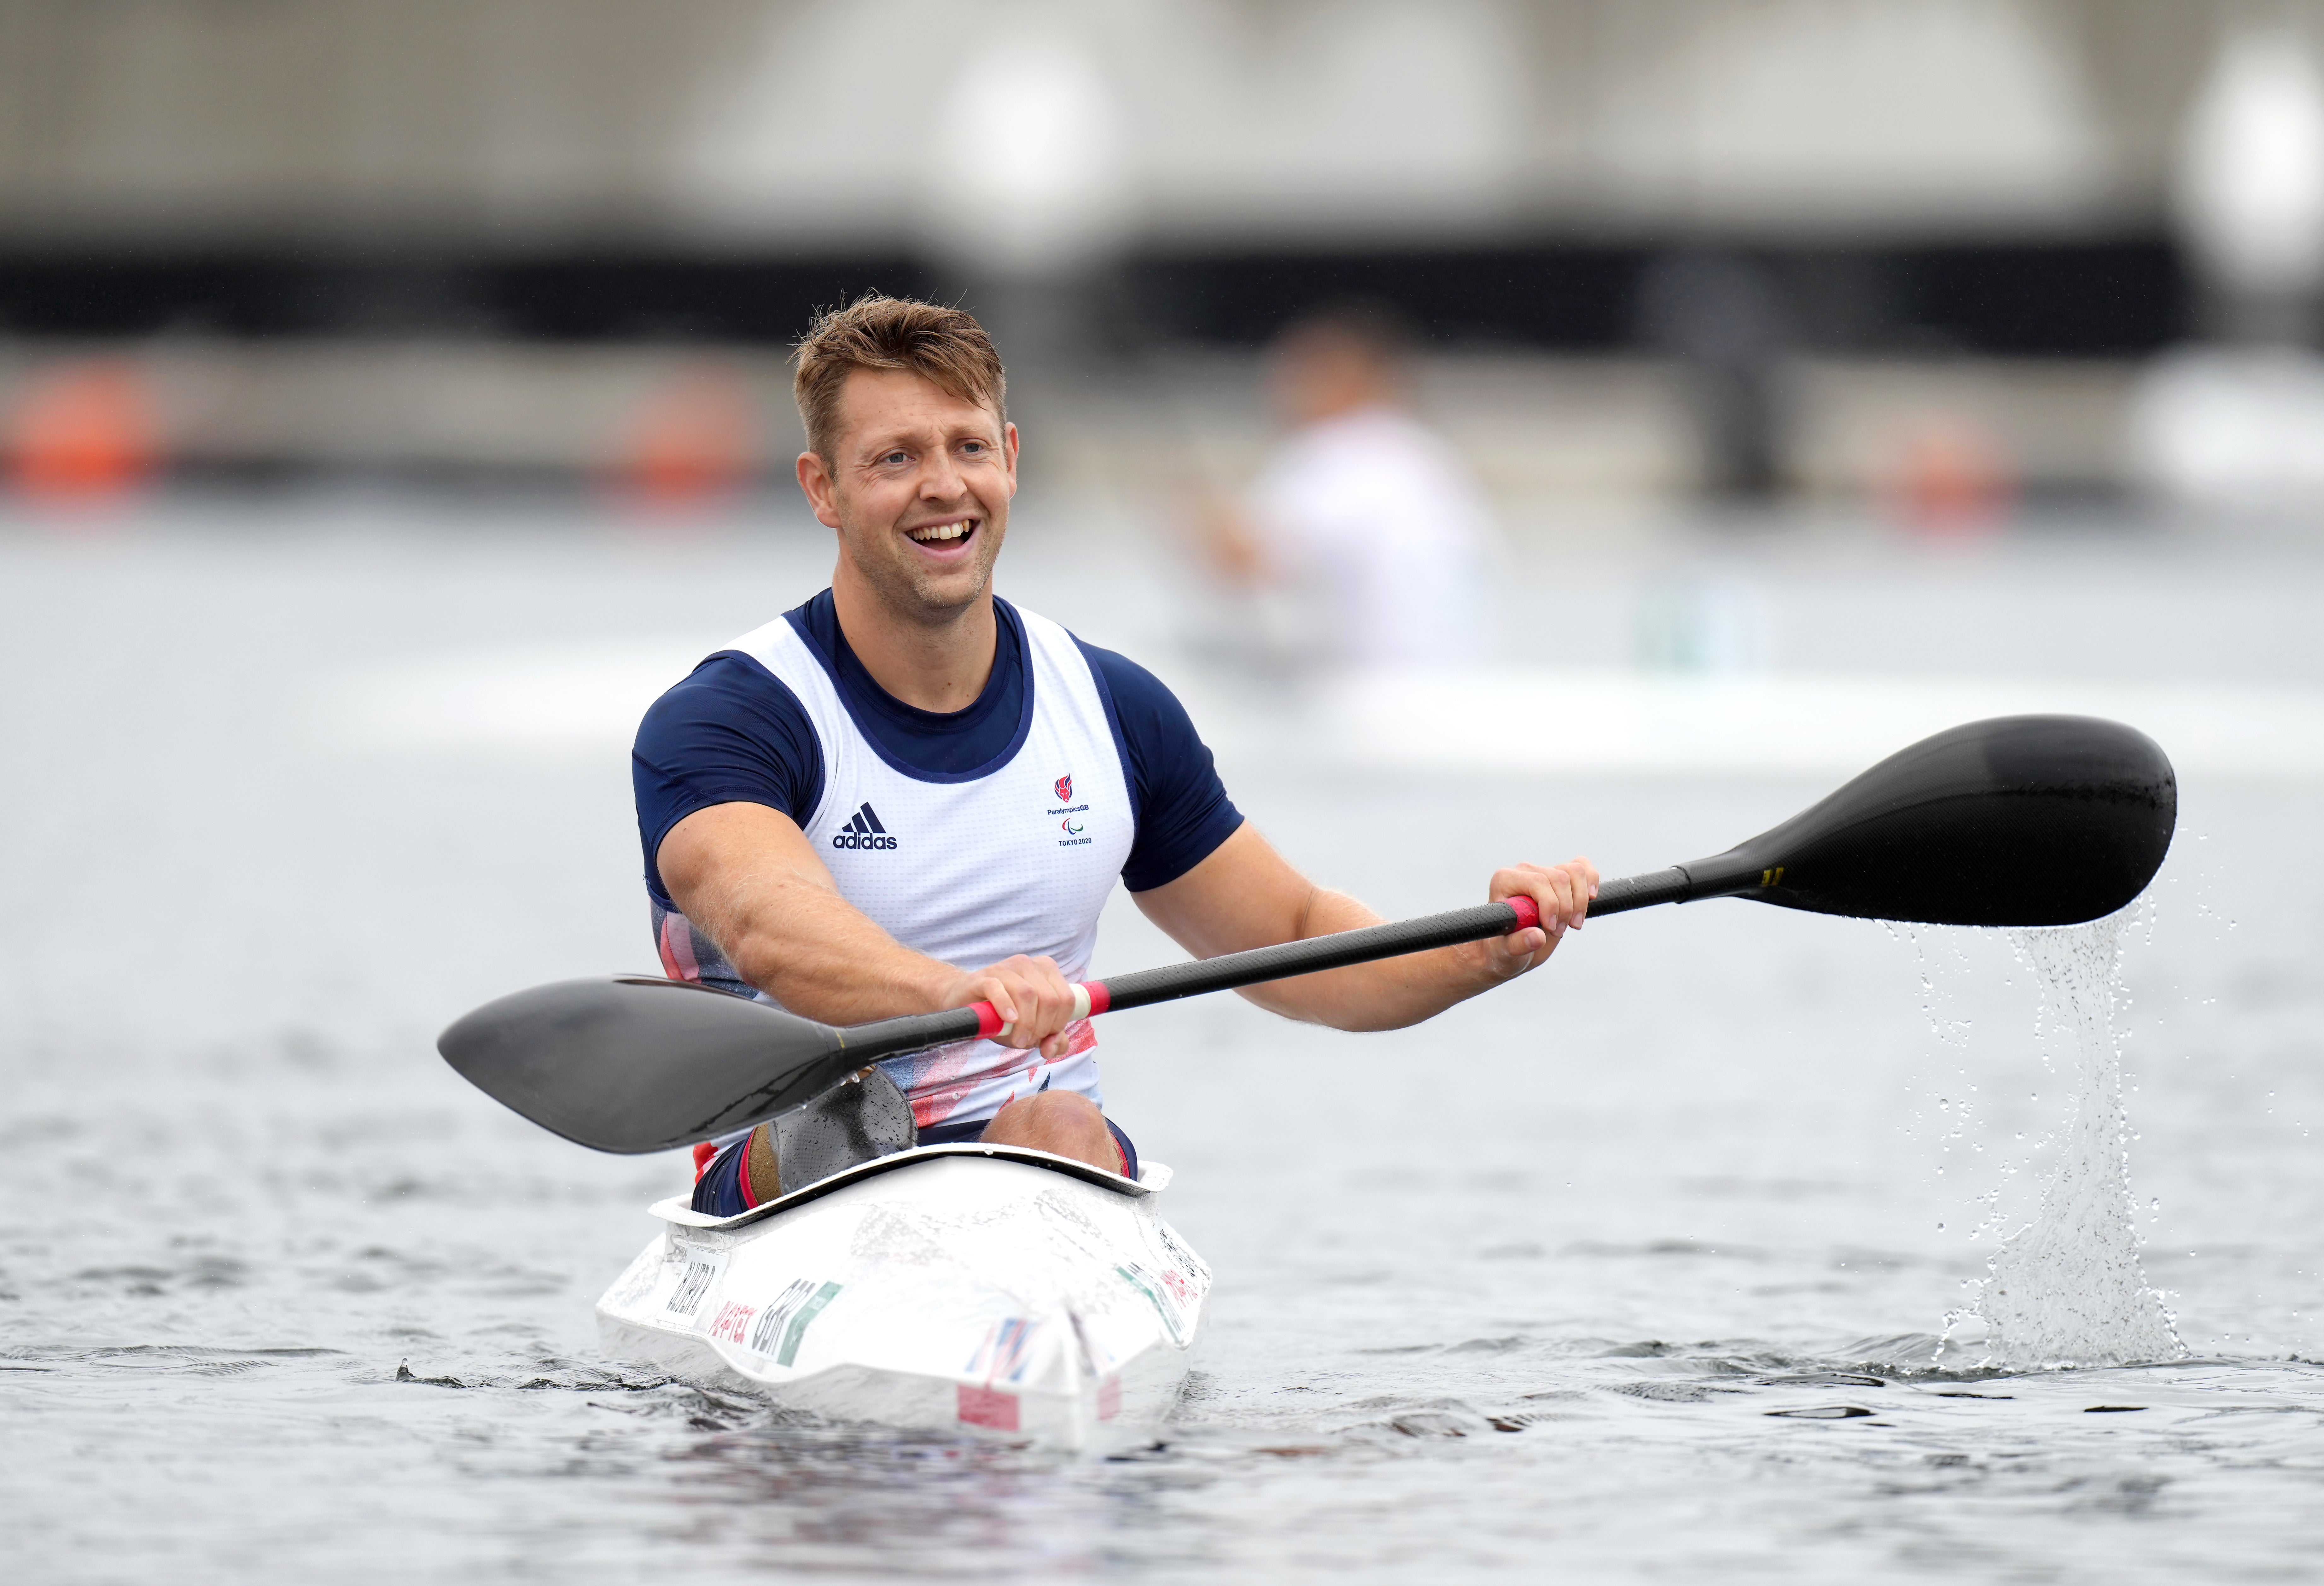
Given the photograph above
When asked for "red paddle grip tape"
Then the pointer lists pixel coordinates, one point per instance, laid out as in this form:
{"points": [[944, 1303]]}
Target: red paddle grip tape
{"points": [[1528, 912], [988, 1021], [1100, 998]]}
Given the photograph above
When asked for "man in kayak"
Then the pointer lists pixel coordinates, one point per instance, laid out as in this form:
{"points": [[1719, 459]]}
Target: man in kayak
{"points": [[908, 795]]}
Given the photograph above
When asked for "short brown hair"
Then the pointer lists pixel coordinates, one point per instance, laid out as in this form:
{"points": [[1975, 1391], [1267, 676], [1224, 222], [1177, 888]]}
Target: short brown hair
{"points": [[945, 346]]}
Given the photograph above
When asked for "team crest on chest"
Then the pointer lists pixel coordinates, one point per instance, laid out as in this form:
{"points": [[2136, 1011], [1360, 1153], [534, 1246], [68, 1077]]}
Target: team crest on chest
{"points": [[1072, 826]]}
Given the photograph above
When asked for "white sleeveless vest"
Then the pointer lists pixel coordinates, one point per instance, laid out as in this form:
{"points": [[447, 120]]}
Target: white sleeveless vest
{"points": [[1018, 857]]}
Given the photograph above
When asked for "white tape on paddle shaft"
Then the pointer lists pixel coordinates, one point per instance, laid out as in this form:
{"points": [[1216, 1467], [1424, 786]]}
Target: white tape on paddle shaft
{"points": [[1081, 1010]]}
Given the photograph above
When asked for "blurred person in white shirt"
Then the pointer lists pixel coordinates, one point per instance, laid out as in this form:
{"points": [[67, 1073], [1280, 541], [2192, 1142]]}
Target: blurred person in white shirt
{"points": [[1364, 539]]}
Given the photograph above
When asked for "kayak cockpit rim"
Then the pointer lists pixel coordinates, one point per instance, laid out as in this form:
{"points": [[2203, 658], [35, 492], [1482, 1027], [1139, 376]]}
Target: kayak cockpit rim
{"points": [[679, 1209]]}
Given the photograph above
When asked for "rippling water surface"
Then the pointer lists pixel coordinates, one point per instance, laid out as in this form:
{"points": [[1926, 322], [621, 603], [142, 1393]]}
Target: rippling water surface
{"points": [[1633, 1269]]}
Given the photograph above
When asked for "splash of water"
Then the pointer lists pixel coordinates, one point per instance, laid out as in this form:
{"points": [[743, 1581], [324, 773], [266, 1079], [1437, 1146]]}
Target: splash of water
{"points": [[2068, 1288]]}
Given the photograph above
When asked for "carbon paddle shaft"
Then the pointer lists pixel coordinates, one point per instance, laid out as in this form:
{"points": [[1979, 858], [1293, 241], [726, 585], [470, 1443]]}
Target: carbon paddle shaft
{"points": [[889, 1037], [1142, 988], [1148, 986]]}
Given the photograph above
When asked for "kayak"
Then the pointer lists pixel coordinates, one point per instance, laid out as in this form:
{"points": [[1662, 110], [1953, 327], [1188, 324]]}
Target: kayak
{"points": [[989, 1289]]}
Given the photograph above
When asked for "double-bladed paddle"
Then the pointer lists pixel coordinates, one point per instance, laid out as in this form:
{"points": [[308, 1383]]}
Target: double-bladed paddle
{"points": [[2018, 821]]}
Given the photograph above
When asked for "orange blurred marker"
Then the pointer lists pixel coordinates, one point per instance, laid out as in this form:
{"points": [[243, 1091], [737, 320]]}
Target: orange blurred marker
{"points": [[83, 431], [692, 441], [1953, 480]]}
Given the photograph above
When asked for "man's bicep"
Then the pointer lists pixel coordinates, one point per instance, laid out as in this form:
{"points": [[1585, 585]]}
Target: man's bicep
{"points": [[1243, 895], [711, 859], [731, 732]]}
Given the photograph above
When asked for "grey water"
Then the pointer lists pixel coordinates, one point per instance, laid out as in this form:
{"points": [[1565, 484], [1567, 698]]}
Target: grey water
{"points": [[1635, 1269]]}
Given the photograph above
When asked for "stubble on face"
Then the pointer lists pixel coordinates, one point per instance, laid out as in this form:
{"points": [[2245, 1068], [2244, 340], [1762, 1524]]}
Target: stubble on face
{"points": [[913, 462]]}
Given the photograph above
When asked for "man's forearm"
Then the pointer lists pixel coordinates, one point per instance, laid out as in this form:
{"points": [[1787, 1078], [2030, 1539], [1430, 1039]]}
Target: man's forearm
{"points": [[819, 956], [1388, 994], [745, 877]]}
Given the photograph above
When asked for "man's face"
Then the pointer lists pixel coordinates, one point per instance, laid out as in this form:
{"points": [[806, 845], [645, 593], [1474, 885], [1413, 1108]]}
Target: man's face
{"points": [[918, 485], [1319, 376]]}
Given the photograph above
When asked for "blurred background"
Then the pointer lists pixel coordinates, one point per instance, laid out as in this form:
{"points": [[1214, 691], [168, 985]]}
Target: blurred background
{"points": [[1954, 261], [1515, 427]]}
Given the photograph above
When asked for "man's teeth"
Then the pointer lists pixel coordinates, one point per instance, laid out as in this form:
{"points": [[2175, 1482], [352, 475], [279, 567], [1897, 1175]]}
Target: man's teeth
{"points": [[940, 531]]}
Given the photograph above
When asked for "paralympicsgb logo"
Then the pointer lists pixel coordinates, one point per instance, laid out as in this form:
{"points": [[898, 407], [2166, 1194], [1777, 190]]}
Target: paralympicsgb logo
{"points": [[864, 831], [1071, 828]]}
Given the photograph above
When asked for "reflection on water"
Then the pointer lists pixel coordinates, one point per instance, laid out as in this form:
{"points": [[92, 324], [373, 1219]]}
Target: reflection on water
{"points": [[1627, 1270]]}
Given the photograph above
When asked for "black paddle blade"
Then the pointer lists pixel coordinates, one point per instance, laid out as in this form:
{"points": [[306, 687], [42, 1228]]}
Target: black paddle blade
{"points": [[2018, 821], [635, 1065]]}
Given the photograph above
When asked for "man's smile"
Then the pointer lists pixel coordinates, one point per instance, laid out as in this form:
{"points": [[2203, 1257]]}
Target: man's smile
{"points": [[951, 534]]}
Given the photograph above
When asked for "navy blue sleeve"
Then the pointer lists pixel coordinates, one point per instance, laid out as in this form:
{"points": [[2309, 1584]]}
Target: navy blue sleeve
{"points": [[731, 734], [1182, 808]]}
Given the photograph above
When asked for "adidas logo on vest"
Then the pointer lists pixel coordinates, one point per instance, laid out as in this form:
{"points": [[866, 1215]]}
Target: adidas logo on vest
{"points": [[863, 832]]}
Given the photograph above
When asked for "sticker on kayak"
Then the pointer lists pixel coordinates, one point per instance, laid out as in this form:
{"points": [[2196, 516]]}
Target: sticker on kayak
{"points": [[732, 1319], [1007, 1350], [1163, 1293], [782, 1324], [1094, 1350], [637, 1280], [1180, 1256], [703, 1266], [983, 1407]]}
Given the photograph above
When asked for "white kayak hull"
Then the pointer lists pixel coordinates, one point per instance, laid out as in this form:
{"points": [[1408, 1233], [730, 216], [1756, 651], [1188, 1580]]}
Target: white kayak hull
{"points": [[978, 1289]]}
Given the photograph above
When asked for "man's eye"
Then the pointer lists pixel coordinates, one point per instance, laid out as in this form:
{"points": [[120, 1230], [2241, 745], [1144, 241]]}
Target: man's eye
{"points": [[894, 457]]}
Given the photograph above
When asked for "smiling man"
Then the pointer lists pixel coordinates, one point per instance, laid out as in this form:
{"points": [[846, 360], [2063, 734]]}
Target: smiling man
{"points": [[908, 795]]}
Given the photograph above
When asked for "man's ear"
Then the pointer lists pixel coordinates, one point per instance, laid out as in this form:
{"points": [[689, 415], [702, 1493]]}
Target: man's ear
{"points": [[815, 479]]}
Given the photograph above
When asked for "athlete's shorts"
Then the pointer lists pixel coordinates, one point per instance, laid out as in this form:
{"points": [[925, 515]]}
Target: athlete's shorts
{"points": [[722, 1188]]}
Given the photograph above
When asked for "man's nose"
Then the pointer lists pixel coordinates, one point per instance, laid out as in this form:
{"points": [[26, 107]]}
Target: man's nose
{"points": [[940, 480]]}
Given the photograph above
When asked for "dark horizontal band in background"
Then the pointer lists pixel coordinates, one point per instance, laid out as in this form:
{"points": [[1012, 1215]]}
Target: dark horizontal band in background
{"points": [[2080, 298]]}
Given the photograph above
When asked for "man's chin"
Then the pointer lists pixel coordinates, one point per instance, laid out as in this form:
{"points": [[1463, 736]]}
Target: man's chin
{"points": [[938, 598], [917, 592]]}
